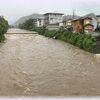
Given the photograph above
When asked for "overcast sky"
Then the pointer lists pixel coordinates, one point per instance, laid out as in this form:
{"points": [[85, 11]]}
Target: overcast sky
{"points": [[14, 9]]}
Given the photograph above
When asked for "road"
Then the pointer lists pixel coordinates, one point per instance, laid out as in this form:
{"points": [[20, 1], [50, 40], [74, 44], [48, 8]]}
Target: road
{"points": [[34, 65]]}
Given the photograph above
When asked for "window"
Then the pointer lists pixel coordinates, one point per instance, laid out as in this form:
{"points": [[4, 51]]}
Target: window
{"points": [[87, 22]]}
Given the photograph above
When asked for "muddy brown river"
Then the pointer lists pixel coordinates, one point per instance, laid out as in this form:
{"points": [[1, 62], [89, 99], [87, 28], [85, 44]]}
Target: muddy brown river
{"points": [[34, 65]]}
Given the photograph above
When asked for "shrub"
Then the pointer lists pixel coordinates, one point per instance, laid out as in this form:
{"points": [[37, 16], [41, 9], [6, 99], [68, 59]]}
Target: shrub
{"points": [[83, 41], [3, 28], [89, 43]]}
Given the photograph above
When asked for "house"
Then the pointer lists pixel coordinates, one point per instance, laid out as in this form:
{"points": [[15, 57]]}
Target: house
{"points": [[87, 23], [82, 25], [38, 22], [77, 25], [53, 19], [98, 21], [67, 21], [94, 19]]}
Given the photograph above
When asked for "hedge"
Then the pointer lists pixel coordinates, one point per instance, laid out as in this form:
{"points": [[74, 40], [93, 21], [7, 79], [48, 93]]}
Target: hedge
{"points": [[3, 28]]}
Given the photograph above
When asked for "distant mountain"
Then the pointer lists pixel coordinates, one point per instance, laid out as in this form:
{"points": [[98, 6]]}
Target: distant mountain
{"points": [[23, 19]]}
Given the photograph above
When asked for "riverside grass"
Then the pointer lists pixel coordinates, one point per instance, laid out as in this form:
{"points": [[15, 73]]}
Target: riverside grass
{"points": [[83, 41]]}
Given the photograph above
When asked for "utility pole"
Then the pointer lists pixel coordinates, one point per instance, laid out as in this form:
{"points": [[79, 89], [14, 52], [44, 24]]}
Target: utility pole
{"points": [[73, 13]]}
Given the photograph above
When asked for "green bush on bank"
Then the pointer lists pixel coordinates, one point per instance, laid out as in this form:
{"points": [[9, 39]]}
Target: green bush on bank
{"points": [[3, 28], [83, 41]]}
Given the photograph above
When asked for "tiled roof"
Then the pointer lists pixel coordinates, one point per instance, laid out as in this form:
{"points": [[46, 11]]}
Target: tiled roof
{"points": [[91, 15]]}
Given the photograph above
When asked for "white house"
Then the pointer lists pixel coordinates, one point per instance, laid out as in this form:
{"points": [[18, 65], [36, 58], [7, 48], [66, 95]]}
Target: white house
{"points": [[39, 22], [52, 18]]}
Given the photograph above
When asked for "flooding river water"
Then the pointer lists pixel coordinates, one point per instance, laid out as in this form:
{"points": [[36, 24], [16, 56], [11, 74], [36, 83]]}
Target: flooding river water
{"points": [[34, 65]]}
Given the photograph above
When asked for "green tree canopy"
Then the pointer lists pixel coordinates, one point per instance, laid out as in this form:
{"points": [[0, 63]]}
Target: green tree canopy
{"points": [[3, 25], [28, 25]]}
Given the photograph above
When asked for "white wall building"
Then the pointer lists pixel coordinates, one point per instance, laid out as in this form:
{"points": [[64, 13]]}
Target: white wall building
{"points": [[52, 18], [40, 22]]}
